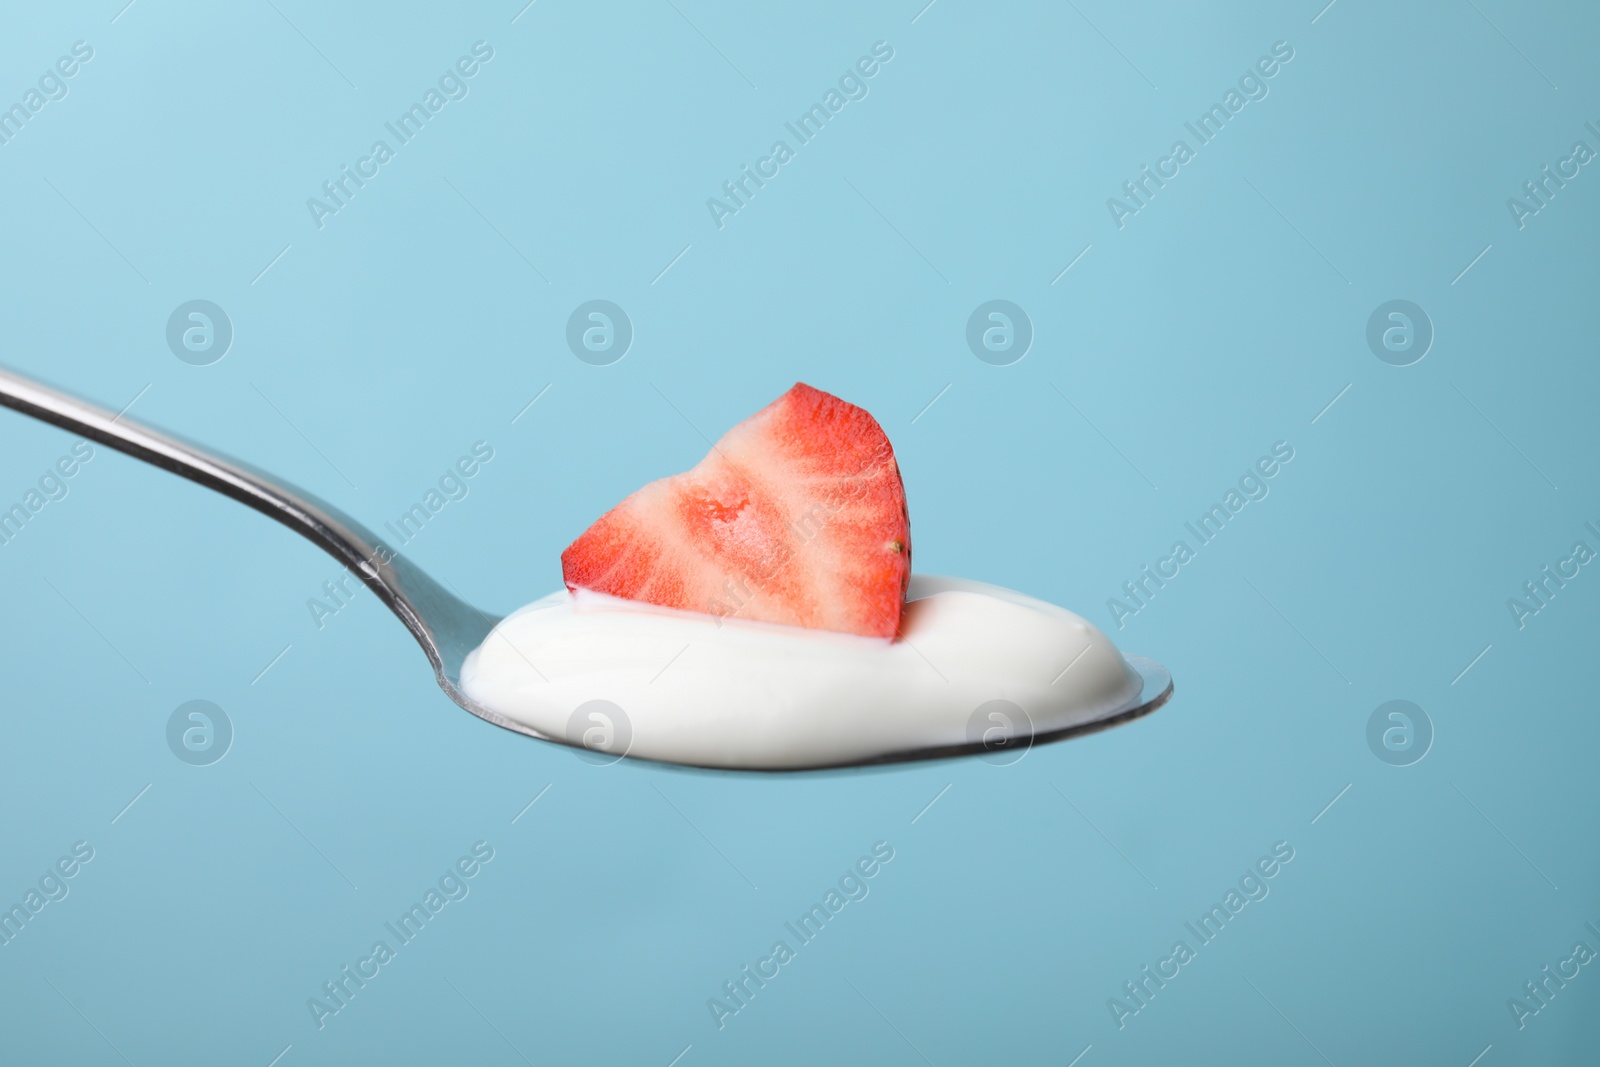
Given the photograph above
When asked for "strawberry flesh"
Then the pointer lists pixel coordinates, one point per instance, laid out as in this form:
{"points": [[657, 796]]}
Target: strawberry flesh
{"points": [[797, 516]]}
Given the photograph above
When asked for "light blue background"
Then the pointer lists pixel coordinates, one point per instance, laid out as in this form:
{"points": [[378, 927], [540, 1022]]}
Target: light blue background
{"points": [[1222, 318]]}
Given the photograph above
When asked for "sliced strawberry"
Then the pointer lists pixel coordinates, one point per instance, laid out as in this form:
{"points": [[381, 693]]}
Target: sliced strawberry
{"points": [[797, 516]]}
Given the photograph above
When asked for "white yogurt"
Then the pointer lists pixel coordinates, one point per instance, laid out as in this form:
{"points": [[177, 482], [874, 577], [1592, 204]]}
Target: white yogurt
{"points": [[728, 693]]}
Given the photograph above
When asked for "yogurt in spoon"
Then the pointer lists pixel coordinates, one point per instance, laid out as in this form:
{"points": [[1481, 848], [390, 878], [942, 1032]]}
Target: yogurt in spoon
{"points": [[623, 677]]}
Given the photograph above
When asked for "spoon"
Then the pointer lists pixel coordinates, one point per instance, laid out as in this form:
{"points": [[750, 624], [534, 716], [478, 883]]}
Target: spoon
{"points": [[447, 627]]}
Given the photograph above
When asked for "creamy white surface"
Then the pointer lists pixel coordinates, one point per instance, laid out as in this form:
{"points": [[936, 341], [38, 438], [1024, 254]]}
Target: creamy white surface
{"points": [[756, 695]]}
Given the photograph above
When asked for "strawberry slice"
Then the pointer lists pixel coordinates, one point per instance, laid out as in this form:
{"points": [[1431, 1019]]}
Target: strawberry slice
{"points": [[797, 516]]}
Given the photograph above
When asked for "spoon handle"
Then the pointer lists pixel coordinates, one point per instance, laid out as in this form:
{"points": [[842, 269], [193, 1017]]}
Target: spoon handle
{"points": [[445, 626]]}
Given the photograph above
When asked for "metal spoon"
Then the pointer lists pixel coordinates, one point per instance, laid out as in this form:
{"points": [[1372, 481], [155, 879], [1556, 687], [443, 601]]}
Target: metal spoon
{"points": [[447, 627]]}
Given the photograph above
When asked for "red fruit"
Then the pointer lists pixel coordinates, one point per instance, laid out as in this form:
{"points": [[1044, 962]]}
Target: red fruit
{"points": [[797, 516]]}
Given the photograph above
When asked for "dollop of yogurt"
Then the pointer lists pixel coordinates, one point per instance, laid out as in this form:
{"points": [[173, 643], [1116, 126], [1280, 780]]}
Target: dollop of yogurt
{"points": [[623, 677]]}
